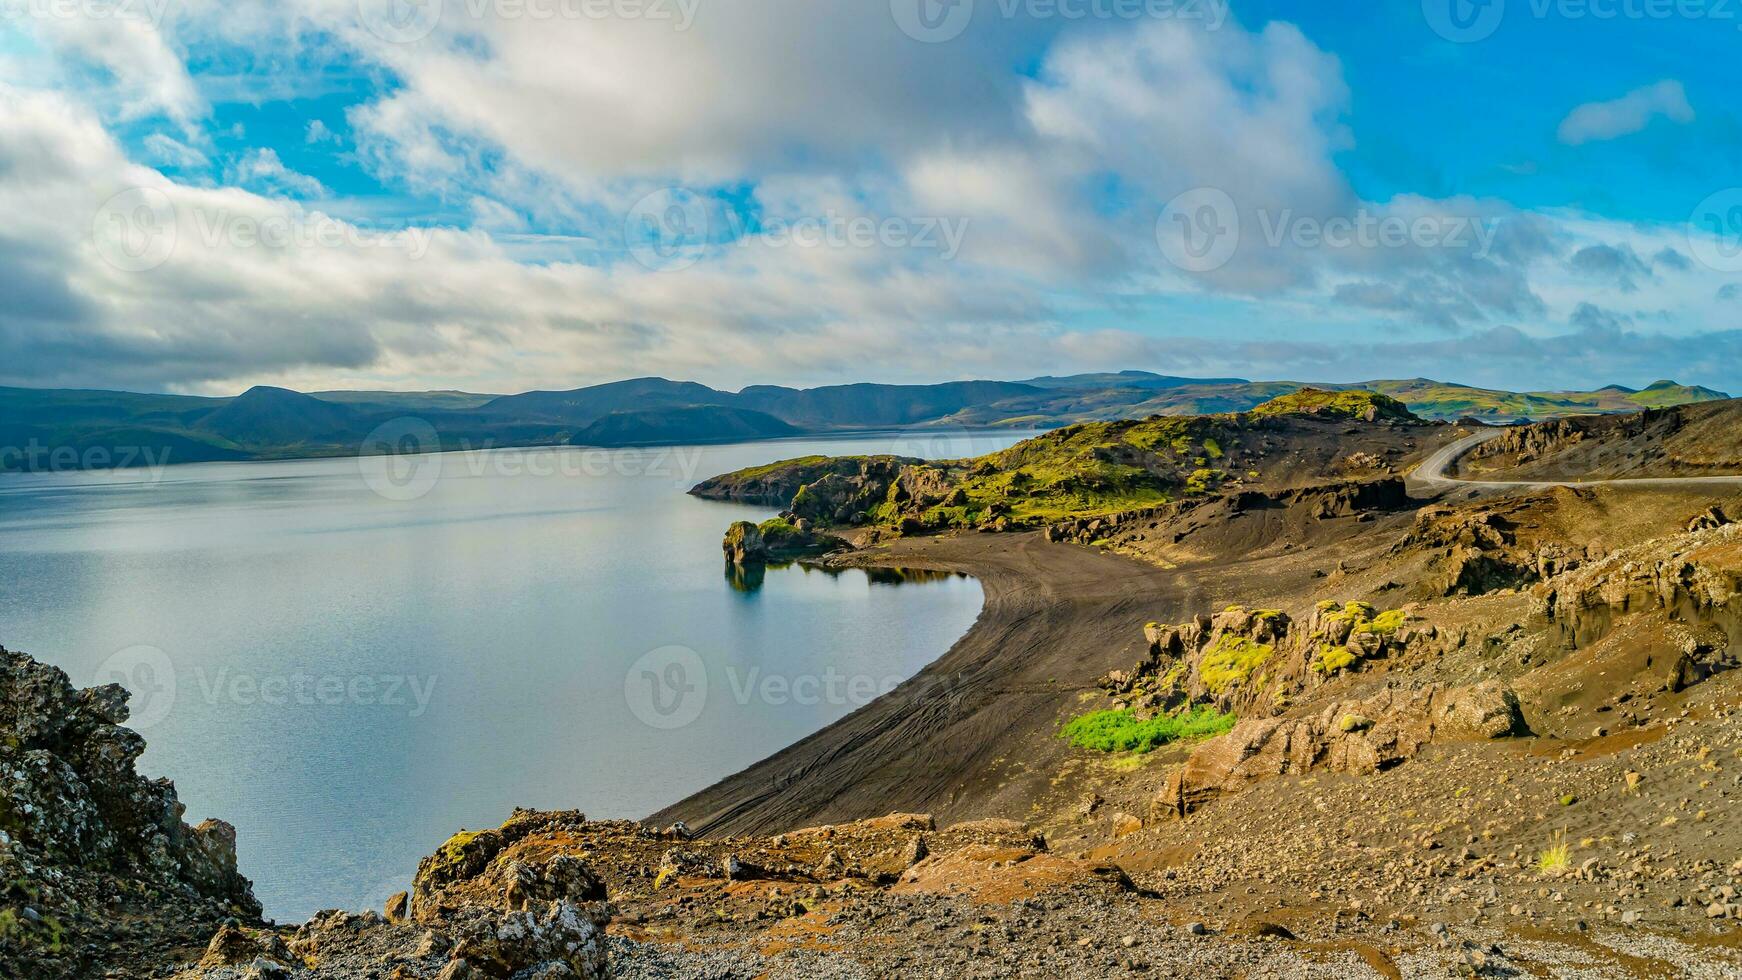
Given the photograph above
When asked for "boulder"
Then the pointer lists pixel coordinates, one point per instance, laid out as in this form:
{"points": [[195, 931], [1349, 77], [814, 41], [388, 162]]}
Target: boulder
{"points": [[1362, 736]]}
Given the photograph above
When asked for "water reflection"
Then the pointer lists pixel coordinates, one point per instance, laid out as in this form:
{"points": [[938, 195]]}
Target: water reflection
{"points": [[749, 579]]}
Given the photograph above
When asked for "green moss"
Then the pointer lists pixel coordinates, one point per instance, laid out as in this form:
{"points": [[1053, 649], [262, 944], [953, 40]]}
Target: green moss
{"points": [[1386, 623], [803, 462], [453, 851], [1332, 659], [1213, 449], [1123, 731], [1356, 404], [1231, 661], [1202, 481]]}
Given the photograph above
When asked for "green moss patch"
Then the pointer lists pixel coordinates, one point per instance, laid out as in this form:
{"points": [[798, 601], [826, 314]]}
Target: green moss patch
{"points": [[1231, 661], [1356, 404], [1123, 731]]}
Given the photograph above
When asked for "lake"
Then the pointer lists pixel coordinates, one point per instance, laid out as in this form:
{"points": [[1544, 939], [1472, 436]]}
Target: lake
{"points": [[352, 659]]}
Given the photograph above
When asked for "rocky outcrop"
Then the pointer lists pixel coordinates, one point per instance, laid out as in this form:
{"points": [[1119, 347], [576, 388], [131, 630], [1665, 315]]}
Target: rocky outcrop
{"points": [[1317, 503], [777, 485], [1475, 551], [486, 906], [776, 540], [1694, 578], [92, 854], [1354, 736], [852, 497], [1256, 662]]}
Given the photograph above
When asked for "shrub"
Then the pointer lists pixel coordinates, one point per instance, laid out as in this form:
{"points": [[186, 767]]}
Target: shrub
{"points": [[1558, 857], [1122, 731]]}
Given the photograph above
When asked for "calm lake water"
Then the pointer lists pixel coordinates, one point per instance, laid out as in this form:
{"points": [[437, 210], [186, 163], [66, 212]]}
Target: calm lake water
{"points": [[350, 660]]}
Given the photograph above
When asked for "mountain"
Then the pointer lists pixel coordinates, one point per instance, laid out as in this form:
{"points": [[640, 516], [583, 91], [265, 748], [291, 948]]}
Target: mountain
{"points": [[584, 405], [406, 401], [103, 429], [870, 405], [1128, 379], [674, 426], [279, 417], [1434, 399]]}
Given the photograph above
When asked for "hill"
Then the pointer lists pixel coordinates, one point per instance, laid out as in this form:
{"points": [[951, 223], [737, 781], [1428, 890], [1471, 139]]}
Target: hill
{"points": [[278, 417], [95, 429], [1098, 468], [1685, 441], [673, 426]]}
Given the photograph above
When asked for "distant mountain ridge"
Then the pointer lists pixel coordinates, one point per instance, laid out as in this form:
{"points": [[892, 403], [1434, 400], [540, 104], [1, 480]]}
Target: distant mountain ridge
{"points": [[49, 429]]}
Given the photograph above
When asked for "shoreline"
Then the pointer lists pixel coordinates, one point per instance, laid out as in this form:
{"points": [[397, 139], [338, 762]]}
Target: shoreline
{"points": [[1055, 619]]}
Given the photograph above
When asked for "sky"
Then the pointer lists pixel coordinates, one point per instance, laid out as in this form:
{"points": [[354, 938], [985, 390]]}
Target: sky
{"points": [[505, 195]]}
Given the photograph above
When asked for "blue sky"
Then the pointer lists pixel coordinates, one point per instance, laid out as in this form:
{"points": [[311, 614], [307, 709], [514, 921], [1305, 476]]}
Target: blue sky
{"points": [[508, 194]]}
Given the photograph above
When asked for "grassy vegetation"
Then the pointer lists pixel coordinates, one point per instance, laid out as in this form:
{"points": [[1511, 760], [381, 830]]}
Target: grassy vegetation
{"points": [[1086, 470], [1557, 858], [1352, 404], [803, 462], [1433, 399], [1123, 731]]}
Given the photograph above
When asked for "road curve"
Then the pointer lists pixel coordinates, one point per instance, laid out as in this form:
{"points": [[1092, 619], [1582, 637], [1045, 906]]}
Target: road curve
{"points": [[1431, 474]]}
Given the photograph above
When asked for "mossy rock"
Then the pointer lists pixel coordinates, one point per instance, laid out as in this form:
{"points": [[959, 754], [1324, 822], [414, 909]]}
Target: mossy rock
{"points": [[1368, 406], [1231, 661]]}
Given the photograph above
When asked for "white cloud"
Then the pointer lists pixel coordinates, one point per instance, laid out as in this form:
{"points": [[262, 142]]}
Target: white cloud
{"points": [[261, 169], [171, 152], [1627, 115], [544, 134], [137, 71]]}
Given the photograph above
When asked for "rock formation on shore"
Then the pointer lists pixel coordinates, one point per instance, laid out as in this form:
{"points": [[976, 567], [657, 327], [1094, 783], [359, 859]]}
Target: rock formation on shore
{"points": [[97, 870]]}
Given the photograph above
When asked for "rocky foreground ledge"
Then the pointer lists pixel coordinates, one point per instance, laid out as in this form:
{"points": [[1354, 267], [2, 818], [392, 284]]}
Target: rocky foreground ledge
{"points": [[98, 874]]}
